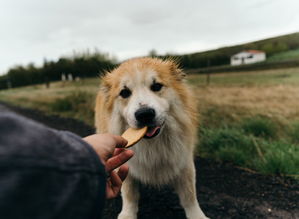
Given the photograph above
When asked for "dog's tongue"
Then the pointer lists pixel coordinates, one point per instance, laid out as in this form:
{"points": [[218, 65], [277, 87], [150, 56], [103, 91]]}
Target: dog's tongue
{"points": [[152, 130]]}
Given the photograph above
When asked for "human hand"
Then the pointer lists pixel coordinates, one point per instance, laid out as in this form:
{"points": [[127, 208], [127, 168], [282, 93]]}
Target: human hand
{"points": [[113, 155]]}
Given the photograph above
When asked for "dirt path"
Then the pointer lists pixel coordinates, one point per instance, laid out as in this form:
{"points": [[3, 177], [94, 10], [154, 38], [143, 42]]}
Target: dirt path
{"points": [[224, 191]]}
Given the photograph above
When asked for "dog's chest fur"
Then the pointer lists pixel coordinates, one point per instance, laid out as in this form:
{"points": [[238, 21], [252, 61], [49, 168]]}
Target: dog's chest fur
{"points": [[160, 160]]}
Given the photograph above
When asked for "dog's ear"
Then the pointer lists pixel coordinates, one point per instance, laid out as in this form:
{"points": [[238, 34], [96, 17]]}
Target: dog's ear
{"points": [[106, 89], [180, 74], [177, 71], [106, 83]]}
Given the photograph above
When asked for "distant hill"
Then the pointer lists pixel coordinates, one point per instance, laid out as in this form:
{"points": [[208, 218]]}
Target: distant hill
{"points": [[218, 57]]}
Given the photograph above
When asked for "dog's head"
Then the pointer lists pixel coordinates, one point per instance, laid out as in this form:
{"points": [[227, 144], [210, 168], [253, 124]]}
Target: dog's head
{"points": [[142, 91]]}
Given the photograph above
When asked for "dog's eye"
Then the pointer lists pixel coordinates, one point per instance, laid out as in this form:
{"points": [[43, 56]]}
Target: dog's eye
{"points": [[156, 87], [125, 93]]}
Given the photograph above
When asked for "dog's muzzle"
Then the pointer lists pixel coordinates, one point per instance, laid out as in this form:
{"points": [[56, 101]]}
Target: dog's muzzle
{"points": [[146, 116]]}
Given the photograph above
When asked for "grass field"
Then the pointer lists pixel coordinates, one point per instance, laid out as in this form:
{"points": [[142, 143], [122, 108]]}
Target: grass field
{"points": [[249, 118]]}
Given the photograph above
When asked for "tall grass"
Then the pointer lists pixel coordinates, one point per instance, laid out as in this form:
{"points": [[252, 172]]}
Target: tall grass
{"points": [[279, 157], [252, 143], [77, 104], [260, 127], [226, 144], [294, 132]]}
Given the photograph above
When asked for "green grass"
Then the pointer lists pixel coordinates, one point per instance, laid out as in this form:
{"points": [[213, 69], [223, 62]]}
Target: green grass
{"points": [[263, 155], [260, 127], [77, 104], [71, 102], [283, 56], [294, 132], [279, 157], [257, 142], [226, 144]]}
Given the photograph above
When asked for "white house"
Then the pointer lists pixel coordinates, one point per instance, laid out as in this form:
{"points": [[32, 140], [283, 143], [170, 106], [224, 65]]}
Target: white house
{"points": [[248, 57]]}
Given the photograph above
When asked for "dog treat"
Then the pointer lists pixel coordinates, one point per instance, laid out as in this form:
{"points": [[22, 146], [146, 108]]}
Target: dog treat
{"points": [[133, 135]]}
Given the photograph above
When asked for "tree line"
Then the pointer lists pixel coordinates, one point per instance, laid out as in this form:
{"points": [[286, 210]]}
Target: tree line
{"points": [[79, 65]]}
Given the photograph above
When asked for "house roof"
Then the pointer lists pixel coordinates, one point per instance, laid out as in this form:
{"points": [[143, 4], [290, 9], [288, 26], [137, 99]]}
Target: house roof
{"points": [[254, 51], [251, 51]]}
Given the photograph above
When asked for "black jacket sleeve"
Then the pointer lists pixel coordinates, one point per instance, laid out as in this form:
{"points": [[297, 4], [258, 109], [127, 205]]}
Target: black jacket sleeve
{"points": [[46, 174]]}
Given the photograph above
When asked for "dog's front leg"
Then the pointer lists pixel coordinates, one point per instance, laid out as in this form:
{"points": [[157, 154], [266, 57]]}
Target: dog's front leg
{"points": [[185, 188], [130, 198]]}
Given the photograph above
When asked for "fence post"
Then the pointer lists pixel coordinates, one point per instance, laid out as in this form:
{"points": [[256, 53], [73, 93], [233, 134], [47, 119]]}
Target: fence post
{"points": [[9, 85], [208, 72], [47, 82]]}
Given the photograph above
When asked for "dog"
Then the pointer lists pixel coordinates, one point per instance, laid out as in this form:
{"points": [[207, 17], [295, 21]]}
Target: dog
{"points": [[152, 92]]}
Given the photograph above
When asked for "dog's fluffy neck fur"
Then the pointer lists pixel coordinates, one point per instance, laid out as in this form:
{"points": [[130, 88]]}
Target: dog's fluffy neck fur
{"points": [[145, 165]]}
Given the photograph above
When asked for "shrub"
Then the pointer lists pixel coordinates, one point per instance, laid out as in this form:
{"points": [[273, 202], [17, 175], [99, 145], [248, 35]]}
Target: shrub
{"points": [[72, 101], [61, 105], [227, 144], [260, 127], [233, 154], [279, 158], [215, 116], [294, 132], [263, 155], [78, 104]]}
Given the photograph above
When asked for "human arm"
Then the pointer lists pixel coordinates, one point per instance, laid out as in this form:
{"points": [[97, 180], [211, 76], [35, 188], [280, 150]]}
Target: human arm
{"points": [[46, 173]]}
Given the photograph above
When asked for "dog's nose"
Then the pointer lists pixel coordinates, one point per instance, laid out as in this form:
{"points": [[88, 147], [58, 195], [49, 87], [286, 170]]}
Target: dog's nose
{"points": [[145, 116]]}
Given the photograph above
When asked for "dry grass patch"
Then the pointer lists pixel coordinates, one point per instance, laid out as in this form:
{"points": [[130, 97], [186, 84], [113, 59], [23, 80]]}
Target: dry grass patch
{"points": [[38, 96], [277, 101]]}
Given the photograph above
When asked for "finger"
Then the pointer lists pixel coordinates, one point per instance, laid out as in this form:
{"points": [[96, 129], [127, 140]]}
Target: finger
{"points": [[115, 179], [118, 151], [120, 142], [115, 185], [109, 191], [123, 171], [118, 160]]}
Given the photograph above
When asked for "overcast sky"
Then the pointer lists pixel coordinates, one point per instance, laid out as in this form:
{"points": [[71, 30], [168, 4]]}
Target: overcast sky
{"points": [[32, 30]]}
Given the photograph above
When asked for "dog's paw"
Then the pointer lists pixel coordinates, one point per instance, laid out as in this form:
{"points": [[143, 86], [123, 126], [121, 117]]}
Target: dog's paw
{"points": [[126, 215], [199, 217], [198, 214]]}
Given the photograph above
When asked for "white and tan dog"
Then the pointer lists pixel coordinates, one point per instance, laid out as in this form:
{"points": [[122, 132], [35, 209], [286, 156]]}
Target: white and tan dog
{"points": [[151, 92]]}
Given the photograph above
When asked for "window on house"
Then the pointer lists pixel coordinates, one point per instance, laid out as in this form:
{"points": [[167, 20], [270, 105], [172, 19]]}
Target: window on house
{"points": [[250, 56]]}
